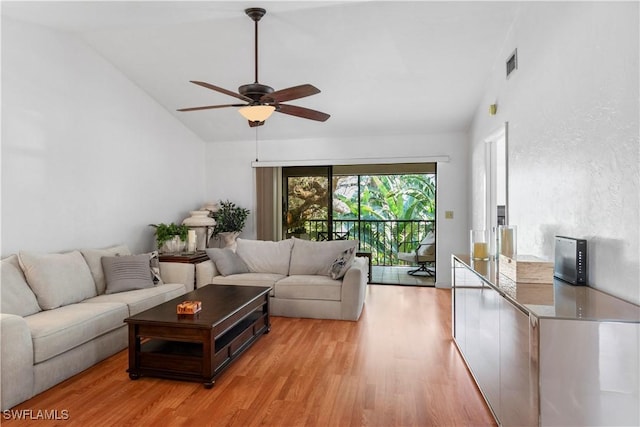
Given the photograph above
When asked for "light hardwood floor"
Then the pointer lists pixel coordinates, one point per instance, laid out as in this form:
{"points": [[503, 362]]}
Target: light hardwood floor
{"points": [[397, 366]]}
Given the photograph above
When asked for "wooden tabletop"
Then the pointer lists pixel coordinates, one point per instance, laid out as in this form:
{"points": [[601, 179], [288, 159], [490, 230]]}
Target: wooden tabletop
{"points": [[218, 302]]}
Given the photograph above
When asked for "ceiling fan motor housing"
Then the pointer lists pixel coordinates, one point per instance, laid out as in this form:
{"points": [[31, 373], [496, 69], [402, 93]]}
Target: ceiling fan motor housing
{"points": [[255, 91]]}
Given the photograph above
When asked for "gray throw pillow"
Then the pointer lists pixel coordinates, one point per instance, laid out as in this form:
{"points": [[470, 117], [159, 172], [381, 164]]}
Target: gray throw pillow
{"points": [[342, 263], [227, 262], [126, 273]]}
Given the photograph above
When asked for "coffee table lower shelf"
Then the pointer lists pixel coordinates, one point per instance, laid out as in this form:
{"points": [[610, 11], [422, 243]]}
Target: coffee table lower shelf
{"points": [[194, 354]]}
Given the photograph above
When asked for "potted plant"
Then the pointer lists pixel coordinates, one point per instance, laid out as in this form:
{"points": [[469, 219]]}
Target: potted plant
{"points": [[170, 237], [230, 220]]}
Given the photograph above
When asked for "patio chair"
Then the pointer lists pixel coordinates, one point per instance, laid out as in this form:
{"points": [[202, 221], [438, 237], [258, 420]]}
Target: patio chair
{"points": [[424, 255], [337, 235]]}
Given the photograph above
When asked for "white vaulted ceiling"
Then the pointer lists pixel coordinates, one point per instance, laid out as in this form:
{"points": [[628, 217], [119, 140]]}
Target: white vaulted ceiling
{"points": [[383, 67]]}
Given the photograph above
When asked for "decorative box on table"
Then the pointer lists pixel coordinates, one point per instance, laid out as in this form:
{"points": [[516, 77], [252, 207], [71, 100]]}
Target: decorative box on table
{"points": [[526, 269], [189, 307]]}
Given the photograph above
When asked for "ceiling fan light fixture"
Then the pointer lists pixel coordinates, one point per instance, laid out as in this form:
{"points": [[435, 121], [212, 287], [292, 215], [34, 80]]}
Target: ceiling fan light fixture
{"points": [[257, 113]]}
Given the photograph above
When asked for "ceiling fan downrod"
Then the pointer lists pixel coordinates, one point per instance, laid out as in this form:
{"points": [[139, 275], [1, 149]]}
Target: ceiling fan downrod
{"points": [[255, 13]]}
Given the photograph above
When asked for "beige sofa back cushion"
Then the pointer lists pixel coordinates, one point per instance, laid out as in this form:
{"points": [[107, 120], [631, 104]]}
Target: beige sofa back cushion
{"points": [[265, 256], [58, 279], [15, 294], [93, 258], [308, 257]]}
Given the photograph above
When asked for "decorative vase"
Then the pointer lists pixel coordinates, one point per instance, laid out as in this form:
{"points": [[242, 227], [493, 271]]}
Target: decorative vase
{"points": [[203, 224], [229, 238], [173, 245], [479, 247]]}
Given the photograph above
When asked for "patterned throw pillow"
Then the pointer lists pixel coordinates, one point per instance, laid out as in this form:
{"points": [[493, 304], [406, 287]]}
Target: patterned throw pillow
{"points": [[154, 263], [342, 263]]}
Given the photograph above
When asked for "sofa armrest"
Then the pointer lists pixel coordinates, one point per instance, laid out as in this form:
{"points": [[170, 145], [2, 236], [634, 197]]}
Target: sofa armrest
{"points": [[178, 272], [205, 271], [16, 361], [354, 288]]}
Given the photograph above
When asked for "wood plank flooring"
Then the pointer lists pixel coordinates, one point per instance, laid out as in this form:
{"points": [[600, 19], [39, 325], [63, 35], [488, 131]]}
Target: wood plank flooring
{"points": [[397, 366]]}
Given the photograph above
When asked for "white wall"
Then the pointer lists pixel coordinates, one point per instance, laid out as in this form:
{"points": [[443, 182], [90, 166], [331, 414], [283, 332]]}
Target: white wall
{"points": [[232, 177], [88, 159], [574, 156]]}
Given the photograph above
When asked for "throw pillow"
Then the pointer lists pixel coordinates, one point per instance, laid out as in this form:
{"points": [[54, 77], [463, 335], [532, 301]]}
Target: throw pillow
{"points": [[227, 262], [309, 257], [126, 273], [342, 263], [57, 279], [263, 256], [93, 257], [154, 263], [17, 297]]}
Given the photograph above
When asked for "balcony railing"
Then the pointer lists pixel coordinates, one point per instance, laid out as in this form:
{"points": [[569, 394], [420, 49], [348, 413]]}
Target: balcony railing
{"points": [[383, 238]]}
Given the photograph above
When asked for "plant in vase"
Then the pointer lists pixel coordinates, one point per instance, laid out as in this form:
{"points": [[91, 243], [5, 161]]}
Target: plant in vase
{"points": [[170, 237], [230, 220]]}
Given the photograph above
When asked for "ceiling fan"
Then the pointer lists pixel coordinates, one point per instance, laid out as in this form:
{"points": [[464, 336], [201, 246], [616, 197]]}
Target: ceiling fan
{"points": [[261, 100]]}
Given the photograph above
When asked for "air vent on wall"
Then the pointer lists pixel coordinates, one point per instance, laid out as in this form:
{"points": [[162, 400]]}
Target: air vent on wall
{"points": [[512, 63]]}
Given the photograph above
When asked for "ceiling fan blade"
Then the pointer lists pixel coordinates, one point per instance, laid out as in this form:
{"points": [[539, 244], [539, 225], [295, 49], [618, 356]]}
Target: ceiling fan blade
{"points": [[291, 93], [305, 113], [255, 124], [222, 90], [209, 107]]}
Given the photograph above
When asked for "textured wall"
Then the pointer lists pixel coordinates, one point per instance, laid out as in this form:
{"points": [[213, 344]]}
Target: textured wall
{"points": [[574, 149], [88, 159]]}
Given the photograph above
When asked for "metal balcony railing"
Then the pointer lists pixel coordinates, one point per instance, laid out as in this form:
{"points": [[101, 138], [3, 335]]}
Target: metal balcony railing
{"points": [[383, 238]]}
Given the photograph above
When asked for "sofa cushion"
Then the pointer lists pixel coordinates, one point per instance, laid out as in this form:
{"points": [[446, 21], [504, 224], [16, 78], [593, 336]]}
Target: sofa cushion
{"points": [[264, 256], [141, 299], [93, 257], [309, 287], [308, 257], [57, 279], [15, 294], [341, 264], [126, 273], [249, 279], [227, 261], [57, 331]]}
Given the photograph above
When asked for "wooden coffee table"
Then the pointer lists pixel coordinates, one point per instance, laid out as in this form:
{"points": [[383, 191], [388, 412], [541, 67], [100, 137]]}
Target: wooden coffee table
{"points": [[198, 347]]}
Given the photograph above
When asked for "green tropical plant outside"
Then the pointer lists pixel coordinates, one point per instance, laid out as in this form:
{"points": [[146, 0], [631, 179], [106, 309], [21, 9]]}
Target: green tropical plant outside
{"points": [[399, 200]]}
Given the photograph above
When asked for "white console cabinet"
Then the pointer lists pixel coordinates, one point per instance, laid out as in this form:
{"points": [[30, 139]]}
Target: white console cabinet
{"points": [[547, 354]]}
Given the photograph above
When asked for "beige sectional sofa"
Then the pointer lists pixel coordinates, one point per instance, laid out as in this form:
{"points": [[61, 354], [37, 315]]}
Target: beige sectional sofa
{"points": [[59, 315], [299, 273]]}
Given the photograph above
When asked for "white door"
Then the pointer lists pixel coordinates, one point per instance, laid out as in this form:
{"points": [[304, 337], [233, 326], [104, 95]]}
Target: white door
{"points": [[497, 184]]}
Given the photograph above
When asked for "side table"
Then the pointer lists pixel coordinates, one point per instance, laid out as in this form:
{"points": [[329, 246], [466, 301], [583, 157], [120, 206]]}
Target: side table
{"points": [[185, 258]]}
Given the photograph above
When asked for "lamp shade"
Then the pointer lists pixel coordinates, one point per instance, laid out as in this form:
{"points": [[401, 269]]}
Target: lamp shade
{"points": [[257, 113]]}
